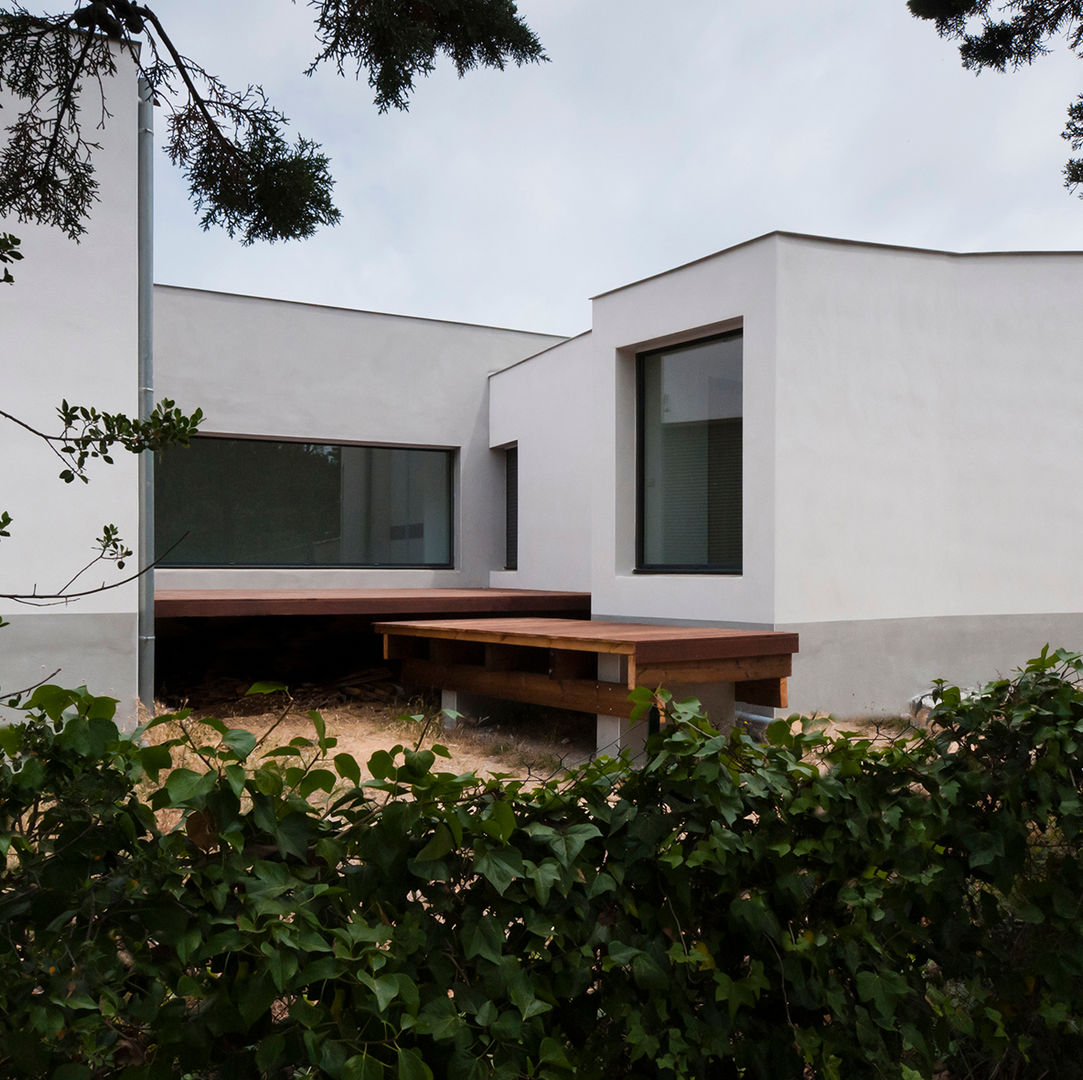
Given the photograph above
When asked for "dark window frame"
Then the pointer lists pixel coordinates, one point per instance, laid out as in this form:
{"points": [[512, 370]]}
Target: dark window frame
{"points": [[511, 507], [641, 565], [452, 458]]}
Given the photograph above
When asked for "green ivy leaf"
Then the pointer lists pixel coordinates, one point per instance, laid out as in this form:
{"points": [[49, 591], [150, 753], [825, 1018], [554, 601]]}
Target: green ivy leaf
{"points": [[411, 1066], [554, 1055], [282, 964], [622, 954], [71, 1071], [317, 780], [500, 867], [437, 847], [269, 1052], [153, 759], [386, 989], [318, 723], [348, 768], [184, 785], [11, 739], [292, 835], [485, 939], [567, 845], [499, 821], [542, 878], [362, 1067], [381, 765], [439, 1019], [241, 742]]}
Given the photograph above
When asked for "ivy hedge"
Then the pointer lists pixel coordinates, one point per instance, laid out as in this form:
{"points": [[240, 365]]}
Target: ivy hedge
{"points": [[806, 907]]}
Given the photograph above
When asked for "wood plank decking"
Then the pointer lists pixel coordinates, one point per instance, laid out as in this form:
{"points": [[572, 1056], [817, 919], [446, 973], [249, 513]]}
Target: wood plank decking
{"points": [[376, 603], [555, 661]]}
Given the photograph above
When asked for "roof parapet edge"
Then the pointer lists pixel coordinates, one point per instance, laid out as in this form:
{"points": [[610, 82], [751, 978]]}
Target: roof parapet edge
{"points": [[816, 239], [541, 352], [359, 311]]}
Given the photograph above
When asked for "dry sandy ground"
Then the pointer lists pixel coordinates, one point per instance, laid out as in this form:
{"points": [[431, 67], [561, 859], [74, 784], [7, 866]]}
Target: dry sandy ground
{"points": [[369, 713], [526, 742]]}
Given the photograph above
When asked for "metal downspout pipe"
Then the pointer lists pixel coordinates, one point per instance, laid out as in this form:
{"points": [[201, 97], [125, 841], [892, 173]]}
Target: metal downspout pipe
{"points": [[145, 553]]}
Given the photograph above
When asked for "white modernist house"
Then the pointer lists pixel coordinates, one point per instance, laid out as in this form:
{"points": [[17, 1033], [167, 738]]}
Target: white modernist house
{"points": [[878, 448]]}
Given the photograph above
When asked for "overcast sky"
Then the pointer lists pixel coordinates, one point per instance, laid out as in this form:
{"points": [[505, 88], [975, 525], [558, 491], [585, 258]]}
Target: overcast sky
{"points": [[657, 133]]}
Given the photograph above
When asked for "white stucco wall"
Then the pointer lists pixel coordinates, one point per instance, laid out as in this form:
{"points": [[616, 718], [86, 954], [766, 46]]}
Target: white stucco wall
{"points": [[929, 421], [544, 405], [287, 370], [68, 329], [911, 456], [734, 288]]}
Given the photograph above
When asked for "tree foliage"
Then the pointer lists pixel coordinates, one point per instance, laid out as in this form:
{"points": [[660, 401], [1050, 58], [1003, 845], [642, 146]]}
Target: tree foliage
{"points": [[243, 173], [810, 907], [396, 42], [1008, 34], [9, 253]]}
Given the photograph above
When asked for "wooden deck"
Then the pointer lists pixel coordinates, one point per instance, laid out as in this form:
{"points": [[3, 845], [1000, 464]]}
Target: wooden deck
{"points": [[374, 603], [550, 661]]}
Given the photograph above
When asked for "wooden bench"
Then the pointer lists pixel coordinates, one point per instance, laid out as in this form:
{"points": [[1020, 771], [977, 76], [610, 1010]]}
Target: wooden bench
{"points": [[591, 666]]}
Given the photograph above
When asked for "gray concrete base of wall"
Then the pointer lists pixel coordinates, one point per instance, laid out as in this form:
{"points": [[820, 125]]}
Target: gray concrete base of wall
{"points": [[874, 667], [93, 650]]}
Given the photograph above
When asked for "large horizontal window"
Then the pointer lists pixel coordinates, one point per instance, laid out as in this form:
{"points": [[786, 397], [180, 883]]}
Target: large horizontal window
{"points": [[689, 457], [255, 502]]}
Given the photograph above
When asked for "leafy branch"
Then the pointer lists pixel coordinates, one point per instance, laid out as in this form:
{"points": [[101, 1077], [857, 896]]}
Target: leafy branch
{"points": [[86, 434], [1011, 34], [229, 143], [110, 548], [243, 174], [395, 42], [8, 254]]}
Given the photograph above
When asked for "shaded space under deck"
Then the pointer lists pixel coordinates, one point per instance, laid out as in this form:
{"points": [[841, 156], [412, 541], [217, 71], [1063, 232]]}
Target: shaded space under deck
{"points": [[309, 635], [373, 603]]}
